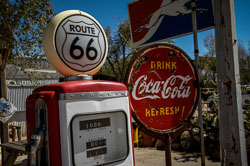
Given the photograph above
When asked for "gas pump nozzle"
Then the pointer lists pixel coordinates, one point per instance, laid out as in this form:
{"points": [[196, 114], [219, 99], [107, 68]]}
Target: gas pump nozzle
{"points": [[37, 143]]}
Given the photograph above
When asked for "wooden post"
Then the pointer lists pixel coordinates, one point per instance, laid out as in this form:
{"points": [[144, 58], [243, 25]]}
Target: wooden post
{"points": [[19, 133], [232, 134], [167, 143], [13, 129], [196, 51]]}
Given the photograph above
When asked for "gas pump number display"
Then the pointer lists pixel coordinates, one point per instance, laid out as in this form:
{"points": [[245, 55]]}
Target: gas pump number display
{"points": [[99, 138]]}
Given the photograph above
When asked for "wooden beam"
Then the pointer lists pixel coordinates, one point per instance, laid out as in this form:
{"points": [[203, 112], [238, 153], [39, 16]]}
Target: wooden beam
{"points": [[232, 134]]}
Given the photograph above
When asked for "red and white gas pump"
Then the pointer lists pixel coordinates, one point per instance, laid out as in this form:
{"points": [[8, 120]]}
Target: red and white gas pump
{"points": [[78, 121]]}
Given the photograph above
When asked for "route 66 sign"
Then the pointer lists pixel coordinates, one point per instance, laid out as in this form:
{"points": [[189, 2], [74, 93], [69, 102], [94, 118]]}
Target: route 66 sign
{"points": [[75, 43]]}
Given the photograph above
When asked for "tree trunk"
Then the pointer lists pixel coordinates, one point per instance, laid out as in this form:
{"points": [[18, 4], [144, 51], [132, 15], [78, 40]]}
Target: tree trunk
{"points": [[3, 89], [4, 126], [4, 55]]}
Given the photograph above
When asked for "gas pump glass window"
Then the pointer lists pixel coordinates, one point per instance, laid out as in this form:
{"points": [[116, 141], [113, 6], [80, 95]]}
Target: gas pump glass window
{"points": [[99, 139]]}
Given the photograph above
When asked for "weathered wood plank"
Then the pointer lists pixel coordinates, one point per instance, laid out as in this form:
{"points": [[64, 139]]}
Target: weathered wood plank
{"points": [[15, 146], [11, 158], [232, 136]]}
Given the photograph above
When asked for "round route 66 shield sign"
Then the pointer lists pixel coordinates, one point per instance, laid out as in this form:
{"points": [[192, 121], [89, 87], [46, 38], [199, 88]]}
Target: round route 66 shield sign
{"points": [[163, 86], [75, 43]]}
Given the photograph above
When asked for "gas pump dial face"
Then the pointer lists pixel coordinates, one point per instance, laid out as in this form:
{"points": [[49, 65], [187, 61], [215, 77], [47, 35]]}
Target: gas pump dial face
{"points": [[99, 138]]}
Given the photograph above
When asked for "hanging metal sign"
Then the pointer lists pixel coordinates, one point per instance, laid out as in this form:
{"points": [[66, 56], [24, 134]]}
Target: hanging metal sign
{"points": [[159, 20], [163, 86]]}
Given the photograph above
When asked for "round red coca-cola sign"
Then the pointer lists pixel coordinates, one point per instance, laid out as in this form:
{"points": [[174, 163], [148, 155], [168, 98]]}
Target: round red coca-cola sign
{"points": [[163, 87]]}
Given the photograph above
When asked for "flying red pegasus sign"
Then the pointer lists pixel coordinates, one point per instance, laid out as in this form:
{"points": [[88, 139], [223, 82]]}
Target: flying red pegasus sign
{"points": [[163, 86]]}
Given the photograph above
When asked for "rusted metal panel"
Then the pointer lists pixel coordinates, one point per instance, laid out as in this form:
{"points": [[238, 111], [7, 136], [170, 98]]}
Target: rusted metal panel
{"points": [[232, 136]]}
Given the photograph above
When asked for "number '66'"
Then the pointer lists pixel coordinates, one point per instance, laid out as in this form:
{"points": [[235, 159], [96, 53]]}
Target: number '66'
{"points": [[90, 56]]}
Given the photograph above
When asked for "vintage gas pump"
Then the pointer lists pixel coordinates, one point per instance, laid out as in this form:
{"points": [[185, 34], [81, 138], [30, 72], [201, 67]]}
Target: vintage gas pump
{"points": [[78, 121]]}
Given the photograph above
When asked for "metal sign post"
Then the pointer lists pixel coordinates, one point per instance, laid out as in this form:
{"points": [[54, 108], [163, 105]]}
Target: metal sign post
{"points": [[232, 134], [196, 51]]}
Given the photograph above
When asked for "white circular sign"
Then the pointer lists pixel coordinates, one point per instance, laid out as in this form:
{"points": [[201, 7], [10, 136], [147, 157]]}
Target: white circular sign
{"points": [[75, 43]]}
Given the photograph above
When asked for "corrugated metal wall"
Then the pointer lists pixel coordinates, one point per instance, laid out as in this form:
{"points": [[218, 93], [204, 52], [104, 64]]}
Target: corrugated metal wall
{"points": [[17, 95]]}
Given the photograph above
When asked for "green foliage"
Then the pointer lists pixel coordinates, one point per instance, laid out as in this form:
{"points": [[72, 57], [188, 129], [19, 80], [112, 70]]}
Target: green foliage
{"points": [[23, 22], [21, 28], [244, 61], [211, 122], [205, 82], [120, 51], [245, 89], [246, 119], [207, 62]]}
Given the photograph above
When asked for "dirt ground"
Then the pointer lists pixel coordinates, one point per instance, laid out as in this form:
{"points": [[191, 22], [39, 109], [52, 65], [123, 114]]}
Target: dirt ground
{"points": [[152, 157]]}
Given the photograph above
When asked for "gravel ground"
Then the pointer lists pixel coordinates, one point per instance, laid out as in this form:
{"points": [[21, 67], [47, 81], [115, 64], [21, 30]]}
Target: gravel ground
{"points": [[153, 157]]}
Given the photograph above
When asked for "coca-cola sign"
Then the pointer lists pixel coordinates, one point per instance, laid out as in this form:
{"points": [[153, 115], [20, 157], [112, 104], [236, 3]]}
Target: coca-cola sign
{"points": [[163, 87]]}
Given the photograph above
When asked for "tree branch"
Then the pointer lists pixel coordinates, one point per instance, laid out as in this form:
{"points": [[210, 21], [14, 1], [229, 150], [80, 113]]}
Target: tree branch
{"points": [[112, 67]]}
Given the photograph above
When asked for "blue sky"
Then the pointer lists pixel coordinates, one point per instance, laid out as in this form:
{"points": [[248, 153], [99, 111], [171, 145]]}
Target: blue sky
{"points": [[111, 12]]}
